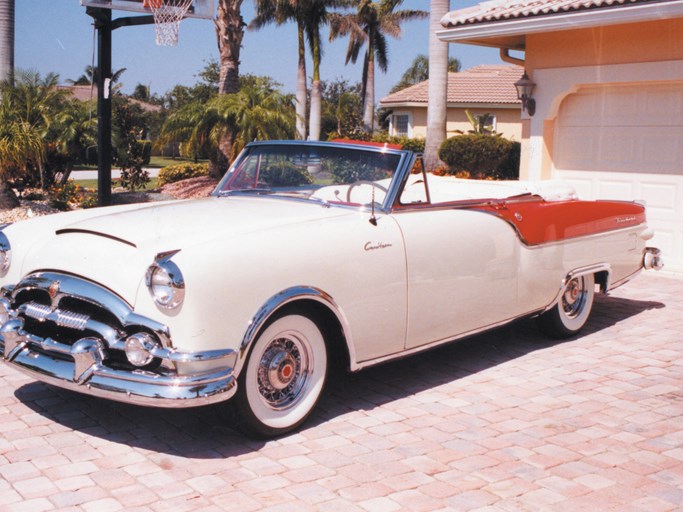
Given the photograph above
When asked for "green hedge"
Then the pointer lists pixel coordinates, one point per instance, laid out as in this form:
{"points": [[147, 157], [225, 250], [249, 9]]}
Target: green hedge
{"points": [[483, 156], [173, 173], [417, 145]]}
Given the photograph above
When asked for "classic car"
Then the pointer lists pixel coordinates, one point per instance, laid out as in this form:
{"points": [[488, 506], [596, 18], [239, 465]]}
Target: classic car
{"points": [[307, 254]]}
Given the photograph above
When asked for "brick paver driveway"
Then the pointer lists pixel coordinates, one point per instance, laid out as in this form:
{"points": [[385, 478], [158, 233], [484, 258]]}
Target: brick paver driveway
{"points": [[506, 421]]}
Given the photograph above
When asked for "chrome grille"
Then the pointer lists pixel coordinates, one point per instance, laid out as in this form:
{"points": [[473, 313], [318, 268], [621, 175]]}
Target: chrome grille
{"points": [[62, 318]]}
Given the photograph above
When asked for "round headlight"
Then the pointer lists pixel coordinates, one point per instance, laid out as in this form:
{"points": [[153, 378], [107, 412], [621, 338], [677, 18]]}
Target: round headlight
{"points": [[165, 283], [5, 311], [139, 349], [5, 254]]}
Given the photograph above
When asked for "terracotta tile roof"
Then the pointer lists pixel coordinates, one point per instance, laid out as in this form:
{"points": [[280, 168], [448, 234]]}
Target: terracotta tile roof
{"points": [[86, 92], [503, 10], [486, 84]]}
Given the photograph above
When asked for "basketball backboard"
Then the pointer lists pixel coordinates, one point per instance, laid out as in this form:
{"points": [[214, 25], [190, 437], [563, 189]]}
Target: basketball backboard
{"points": [[200, 8]]}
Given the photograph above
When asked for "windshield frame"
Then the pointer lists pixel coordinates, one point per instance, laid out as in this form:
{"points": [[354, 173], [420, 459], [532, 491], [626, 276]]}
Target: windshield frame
{"points": [[402, 170]]}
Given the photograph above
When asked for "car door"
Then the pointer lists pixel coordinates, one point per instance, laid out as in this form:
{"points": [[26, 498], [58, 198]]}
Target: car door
{"points": [[462, 272]]}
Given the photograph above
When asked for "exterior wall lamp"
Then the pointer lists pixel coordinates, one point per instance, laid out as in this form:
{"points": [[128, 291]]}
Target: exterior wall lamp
{"points": [[524, 88]]}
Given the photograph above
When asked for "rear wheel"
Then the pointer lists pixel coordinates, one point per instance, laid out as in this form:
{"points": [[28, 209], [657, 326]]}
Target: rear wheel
{"points": [[571, 313], [283, 377]]}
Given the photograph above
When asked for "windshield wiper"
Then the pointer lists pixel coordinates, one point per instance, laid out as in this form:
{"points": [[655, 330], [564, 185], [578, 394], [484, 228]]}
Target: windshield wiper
{"points": [[257, 191]]}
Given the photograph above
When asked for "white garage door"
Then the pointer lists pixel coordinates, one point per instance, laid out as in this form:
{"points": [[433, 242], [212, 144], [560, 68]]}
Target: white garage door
{"points": [[626, 142]]}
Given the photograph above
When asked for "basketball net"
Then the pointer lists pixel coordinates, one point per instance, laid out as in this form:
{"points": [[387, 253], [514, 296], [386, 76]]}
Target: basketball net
{"points": [[167, 17]]}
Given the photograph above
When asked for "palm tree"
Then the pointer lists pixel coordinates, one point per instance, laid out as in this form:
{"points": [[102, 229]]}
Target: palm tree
{"points": [[438, 86], [74, 130], [418, 71], [19, 144], [34, 102], [279, 12], [229, 31], [257, 111], [7, 40], [310, 16], [184, 126], [370, 24], [89, 76]]}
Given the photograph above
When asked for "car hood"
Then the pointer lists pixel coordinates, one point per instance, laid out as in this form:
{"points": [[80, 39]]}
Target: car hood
{"points": [[115, 247], [178, 224]]}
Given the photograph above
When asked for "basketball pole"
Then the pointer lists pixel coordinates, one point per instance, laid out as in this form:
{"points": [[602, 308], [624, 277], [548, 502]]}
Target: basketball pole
{"points": [[104, 26]]}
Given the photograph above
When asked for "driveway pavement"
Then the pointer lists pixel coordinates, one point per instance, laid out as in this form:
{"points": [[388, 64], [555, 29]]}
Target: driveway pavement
{"points": [[507, 421]]}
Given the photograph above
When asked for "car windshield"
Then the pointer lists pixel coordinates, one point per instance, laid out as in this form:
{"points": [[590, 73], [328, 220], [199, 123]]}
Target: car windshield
{"points": [[336, 174]]}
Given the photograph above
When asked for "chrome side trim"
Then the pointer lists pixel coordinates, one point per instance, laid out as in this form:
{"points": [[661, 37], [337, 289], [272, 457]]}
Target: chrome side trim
{"points": [[415, 350], [578, 272], [281, 299]]}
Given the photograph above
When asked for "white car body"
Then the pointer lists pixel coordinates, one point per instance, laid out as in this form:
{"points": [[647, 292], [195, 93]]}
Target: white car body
{"points": [[384, 280]]}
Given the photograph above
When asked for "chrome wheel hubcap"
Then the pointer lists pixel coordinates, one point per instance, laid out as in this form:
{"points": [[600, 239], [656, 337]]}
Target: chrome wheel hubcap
{"points": [[574, 297], [283, 372]]}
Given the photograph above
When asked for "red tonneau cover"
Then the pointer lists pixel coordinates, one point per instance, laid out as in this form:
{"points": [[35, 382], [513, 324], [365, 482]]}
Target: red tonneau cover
{"points": [[539, 222], [369, 143]]}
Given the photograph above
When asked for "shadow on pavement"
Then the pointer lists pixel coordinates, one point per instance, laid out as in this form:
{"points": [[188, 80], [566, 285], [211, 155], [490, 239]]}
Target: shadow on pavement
{"points": [[203, 433]]}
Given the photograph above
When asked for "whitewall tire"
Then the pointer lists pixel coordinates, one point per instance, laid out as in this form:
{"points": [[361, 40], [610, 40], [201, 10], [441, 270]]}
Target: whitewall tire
{"points": [[571, 313], [283, 378]]}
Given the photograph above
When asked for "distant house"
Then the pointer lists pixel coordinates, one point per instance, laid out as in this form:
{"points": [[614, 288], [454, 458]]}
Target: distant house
{"points": [[87, 92], [609, 97], [480, 90]]}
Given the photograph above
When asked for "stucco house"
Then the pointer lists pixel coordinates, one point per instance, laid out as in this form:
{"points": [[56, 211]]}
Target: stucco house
{"points": [[608, 97], [481, 90]]}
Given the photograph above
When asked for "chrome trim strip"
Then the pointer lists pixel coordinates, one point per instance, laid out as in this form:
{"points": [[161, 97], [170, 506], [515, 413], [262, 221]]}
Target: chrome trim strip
{"points": [[281, 299], [578, 272], [404, 353], [67, 231]]}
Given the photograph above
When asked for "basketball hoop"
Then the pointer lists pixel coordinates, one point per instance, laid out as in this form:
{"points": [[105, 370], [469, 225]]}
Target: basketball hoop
{"points": [[167, 17]]}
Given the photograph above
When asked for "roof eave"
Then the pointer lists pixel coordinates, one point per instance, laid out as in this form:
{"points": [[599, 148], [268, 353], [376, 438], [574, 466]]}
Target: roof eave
{"points": [[478, 33], [414, 104]]}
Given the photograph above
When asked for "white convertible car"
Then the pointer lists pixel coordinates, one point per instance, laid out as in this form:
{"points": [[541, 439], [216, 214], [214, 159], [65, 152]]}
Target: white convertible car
{"points": [[306, 254]]}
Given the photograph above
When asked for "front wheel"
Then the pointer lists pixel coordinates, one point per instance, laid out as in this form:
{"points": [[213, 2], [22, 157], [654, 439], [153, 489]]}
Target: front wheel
{"points": [[283, 378], [571, 313]]}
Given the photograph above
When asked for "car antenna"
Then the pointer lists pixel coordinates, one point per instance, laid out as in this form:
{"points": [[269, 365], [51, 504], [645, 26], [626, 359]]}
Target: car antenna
{"points": [[373, 219]]}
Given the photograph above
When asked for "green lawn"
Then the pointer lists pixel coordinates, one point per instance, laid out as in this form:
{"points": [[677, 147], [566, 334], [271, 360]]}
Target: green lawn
{"points": [[92, 184], [155, 162]]}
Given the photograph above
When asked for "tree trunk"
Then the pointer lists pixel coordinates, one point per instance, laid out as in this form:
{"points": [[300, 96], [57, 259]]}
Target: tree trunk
{"points": [[301, 86], [229, 32], [7, 40], [316, 94], [438, 86], [369, 98]]}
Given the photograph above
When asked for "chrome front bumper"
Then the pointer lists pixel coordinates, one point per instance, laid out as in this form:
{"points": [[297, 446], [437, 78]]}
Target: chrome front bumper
{"points": [[80, 368], [87, 363]]}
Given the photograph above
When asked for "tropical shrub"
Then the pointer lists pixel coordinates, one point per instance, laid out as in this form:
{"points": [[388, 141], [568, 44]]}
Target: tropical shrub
{"points": [[483, 156], [417, 145], [66, 196], [178, 172], [285, 174]]}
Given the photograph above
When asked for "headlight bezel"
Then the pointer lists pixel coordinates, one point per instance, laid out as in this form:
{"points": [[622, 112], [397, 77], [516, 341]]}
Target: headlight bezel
{"points": [[5, 254], [165, 282]]}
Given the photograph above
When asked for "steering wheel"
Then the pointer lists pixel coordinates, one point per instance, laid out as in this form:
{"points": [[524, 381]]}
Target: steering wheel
{"points": [[363, 182]]}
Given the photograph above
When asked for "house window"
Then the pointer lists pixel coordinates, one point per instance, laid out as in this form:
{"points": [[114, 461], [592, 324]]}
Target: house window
{"points": [[401, 124], [486, 123]]}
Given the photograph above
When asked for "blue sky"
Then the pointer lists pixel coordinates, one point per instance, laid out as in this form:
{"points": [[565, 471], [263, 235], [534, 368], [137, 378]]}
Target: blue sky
{"points": [[57, 36]]}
